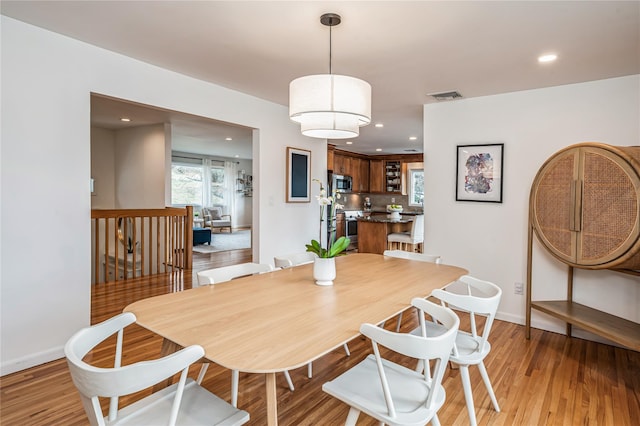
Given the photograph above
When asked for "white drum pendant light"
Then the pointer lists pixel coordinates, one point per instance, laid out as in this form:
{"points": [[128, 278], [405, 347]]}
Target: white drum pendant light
{"points": [[330, 106]]}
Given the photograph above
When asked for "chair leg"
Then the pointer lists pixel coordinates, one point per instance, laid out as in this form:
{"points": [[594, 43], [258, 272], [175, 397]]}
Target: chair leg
{"points": [[435, 421], [399, 323], [203, 371], [468, 396], [310, 370], [352, 417], [346, 349], [235, 378], [289, 382], [487, 383]]}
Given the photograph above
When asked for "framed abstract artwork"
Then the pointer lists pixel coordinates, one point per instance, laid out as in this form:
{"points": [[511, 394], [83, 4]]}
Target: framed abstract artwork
{"points": [[479, 173], [298, 175]]}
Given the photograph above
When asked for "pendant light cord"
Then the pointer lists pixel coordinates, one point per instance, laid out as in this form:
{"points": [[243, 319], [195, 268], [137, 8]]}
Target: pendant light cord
{"points": [[330, 50]]}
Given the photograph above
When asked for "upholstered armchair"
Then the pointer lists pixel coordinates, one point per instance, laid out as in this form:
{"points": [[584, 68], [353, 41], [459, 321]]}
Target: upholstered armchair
{"points": [[215, 219]]}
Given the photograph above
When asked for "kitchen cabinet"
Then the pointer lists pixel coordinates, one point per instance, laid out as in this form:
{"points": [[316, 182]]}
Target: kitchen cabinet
{"points": [[360, 174], [330, 159], [376, 176], [372, 232], [341, 164], [393, 176], [340, 225], [364, 175], [369, 172], [354, 172], [583, 208]]}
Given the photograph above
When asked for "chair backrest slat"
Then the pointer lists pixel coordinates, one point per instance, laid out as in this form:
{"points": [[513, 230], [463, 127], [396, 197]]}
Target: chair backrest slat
{"points": [[294, 259], [421, 257], [93, 382], [422, 348], [228, 273], [482, 298]]}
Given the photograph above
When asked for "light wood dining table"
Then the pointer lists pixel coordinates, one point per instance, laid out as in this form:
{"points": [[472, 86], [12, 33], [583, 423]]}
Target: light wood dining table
{"points": [[282, 320]]}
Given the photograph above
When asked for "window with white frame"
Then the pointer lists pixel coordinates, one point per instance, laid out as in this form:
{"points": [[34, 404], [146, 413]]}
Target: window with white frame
{"points": [[217, 187], [198, 182], [416, 187], [187, 182]]}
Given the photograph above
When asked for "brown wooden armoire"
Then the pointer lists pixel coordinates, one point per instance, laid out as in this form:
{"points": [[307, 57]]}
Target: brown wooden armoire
{"points": [[584, 208]]}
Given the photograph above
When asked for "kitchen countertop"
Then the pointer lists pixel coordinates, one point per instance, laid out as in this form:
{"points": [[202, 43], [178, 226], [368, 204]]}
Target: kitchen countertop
{"points": [[382, 219], [406, 213]]}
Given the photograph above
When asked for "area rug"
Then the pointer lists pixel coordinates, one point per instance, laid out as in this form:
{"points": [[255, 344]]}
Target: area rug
{"points": [[224, 241]]}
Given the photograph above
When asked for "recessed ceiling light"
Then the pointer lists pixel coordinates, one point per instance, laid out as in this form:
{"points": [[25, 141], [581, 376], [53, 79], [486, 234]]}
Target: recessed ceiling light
{"points": [[237, 156], [379, 125], [127, 119], [547, 58], [349, 143], [228, 139], [378, 149], [412, 138]]}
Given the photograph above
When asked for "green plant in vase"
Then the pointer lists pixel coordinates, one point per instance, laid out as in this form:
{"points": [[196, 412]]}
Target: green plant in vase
{"points": [[334, 247]]}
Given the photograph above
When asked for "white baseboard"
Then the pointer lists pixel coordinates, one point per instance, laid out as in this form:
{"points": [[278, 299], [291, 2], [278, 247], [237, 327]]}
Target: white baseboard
{"points": [[11, 366]]}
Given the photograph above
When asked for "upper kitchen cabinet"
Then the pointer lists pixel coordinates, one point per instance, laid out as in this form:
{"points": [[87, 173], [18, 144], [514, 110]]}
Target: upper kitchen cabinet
{"points": [[388, 173], [341, 164], [364, 175], [369, 173], [376, 176], [350, 164], [359, 171], [330, 155], [393, 176]]}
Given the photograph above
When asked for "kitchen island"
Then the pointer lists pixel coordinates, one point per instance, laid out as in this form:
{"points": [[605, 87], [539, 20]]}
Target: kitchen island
{"points": [[373, 231]]}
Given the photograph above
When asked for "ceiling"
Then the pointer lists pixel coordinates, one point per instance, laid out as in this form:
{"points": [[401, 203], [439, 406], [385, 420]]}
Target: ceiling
{"points": [[189, 133], [405, 50]]}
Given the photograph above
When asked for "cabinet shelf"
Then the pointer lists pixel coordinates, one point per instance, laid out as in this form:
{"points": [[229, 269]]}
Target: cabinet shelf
{"points": [[616, 329], [393, 176]]}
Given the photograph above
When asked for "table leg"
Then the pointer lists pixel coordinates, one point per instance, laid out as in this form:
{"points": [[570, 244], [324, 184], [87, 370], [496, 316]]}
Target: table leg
{"points": [[272, 400], [168, 347]]}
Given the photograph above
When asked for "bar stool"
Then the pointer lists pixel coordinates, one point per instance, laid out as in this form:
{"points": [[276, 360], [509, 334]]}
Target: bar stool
{"points": [[408, 241]]}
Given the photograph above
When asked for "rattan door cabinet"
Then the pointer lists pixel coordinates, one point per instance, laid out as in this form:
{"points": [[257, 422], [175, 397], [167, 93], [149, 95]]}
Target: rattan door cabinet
{"points": [[584, 209]]}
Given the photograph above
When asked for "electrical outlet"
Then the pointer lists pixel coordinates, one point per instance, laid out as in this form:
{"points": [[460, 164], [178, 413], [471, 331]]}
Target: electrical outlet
{"points": [[393, 200], [518, 288]]}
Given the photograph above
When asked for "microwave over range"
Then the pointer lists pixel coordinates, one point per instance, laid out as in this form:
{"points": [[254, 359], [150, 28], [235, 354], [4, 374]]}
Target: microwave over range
{"points": [[341, 183]]}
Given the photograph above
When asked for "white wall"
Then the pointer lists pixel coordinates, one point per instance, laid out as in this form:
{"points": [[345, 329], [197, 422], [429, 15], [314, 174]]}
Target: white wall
{"points": [[103, 168], [140, 167], [128, 167], [490, 240], [46, 84], [244, 213]]}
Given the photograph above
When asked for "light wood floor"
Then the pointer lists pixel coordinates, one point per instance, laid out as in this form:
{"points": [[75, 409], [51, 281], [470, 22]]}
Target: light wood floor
{"points": [[549, 379]]}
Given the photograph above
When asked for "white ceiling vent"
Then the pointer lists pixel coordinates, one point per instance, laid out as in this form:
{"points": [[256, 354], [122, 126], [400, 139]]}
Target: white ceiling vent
{"points": [[445, 96]]}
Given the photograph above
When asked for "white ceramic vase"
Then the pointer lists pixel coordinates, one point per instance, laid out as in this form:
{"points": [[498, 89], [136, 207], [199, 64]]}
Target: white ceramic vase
{"points": [[324, 270]]}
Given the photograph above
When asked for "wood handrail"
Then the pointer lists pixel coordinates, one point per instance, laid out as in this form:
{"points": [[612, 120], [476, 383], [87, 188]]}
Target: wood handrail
{"points": [[154, 241], [114, 213]]}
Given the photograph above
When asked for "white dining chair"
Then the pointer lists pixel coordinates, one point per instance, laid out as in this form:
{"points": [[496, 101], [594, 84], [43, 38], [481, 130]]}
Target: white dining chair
{"points": [[185, 402], [225, 274], [297, 259], [228, 273], [421, 257], [481, 299], [294, 259], [409, 241], [389, 392]]}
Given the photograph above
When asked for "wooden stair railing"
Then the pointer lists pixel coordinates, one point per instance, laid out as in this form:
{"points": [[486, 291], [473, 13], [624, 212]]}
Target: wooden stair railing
{"points": [[131, 243]]}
